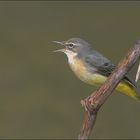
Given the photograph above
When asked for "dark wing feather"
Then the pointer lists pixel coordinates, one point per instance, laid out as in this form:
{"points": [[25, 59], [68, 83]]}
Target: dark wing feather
{"points": [[103, 65]]}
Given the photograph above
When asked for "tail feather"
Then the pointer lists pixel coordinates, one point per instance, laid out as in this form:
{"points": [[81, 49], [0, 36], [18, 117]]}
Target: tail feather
{"points": [[128, 89]]}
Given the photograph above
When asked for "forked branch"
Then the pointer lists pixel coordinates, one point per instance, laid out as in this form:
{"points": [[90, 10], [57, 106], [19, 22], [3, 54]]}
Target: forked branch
{"points": [[93, 103]]}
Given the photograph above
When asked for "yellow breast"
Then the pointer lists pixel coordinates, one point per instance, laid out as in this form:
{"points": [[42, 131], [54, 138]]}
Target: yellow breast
{"points": [[93, 78], [78, 67]]}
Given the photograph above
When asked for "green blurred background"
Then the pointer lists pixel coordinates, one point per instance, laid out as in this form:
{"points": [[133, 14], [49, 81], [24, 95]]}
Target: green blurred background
{"points": [[39, 95]]}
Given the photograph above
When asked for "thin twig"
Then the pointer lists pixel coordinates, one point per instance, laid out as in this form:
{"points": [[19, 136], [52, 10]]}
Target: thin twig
{"points": [[93, 103]]}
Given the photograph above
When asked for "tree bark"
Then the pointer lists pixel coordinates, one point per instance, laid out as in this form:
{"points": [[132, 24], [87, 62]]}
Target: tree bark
{"points": [[93, 103]]}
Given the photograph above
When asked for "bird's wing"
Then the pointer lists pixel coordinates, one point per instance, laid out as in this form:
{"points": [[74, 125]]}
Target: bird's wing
{"points": [[102, 65]]}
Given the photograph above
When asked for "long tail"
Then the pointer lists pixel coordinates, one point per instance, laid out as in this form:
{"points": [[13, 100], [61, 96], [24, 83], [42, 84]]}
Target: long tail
{"points": [[128, 88]]}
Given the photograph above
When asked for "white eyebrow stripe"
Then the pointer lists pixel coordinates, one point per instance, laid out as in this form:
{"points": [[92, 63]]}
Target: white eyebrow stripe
{"points": [[70, 43]]}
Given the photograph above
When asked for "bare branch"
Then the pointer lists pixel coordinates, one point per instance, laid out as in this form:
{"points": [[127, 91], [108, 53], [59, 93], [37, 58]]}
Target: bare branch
{"points": [[93, 103]]}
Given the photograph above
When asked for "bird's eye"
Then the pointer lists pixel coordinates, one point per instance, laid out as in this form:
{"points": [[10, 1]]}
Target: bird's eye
{"points": [[71, 45]]}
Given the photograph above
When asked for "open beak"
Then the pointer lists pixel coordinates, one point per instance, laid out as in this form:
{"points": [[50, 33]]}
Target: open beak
{"points": [[61, 43], [58, 42], [60, 50]]}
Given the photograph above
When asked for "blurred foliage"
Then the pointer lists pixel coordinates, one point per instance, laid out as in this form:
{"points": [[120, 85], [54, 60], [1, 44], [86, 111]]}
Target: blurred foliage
{"points": [[39, 95]]}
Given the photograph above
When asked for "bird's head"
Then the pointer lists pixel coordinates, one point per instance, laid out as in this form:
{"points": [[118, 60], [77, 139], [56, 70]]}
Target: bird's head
{"points": [[73, 46]]}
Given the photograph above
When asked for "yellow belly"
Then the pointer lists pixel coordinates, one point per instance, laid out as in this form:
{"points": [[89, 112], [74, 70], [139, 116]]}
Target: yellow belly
{"points": [[97, 80], [83, 74]]}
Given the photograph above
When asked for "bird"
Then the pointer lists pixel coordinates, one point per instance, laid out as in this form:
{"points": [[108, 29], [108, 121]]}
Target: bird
{"points": [[92, 67]]}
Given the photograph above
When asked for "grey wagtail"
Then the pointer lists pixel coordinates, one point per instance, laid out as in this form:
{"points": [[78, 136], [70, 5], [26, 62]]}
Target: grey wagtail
{"points": [[92, 67]]}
